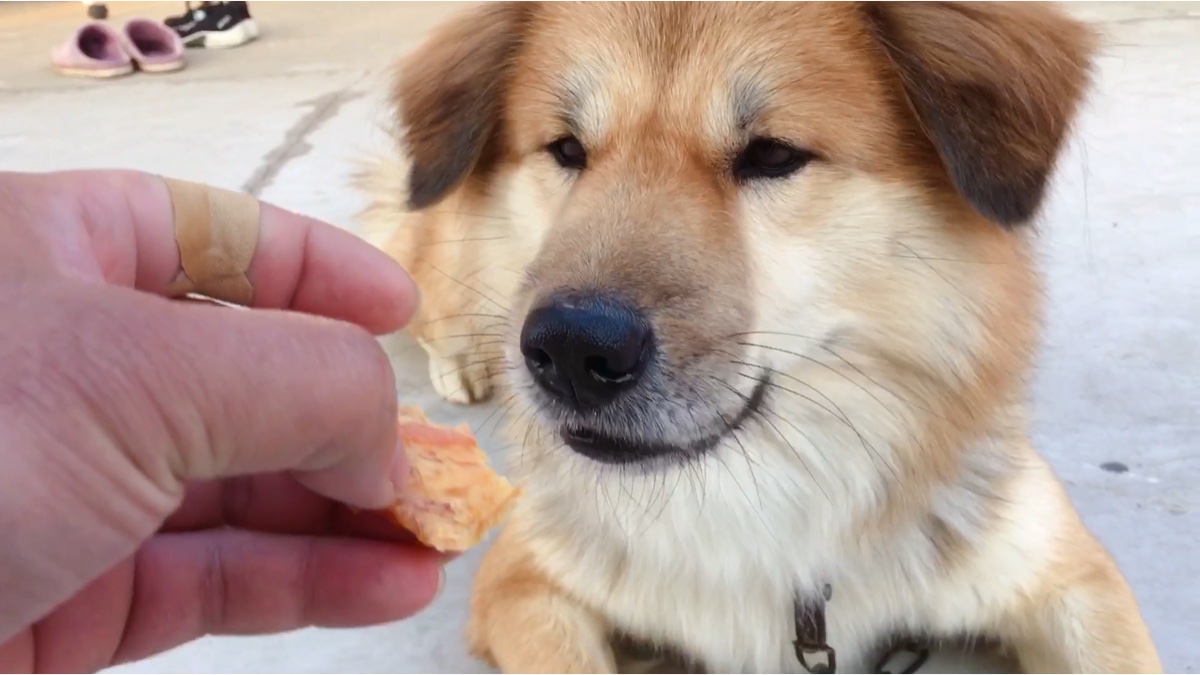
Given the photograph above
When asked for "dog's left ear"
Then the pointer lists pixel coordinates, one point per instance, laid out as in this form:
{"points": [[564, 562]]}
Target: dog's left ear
{"points": [[995, 86], [448, 95]]}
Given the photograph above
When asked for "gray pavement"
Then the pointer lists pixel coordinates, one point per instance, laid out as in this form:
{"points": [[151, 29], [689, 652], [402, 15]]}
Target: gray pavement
{"points": [[1119, 378]]}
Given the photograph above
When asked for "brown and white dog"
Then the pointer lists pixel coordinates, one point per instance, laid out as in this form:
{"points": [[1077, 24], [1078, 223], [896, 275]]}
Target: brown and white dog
{"points": [[757, 282]]}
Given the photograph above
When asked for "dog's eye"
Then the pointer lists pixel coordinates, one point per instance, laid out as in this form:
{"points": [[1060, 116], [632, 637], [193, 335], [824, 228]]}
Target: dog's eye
{"points": [[769, 158], [568, 152]]}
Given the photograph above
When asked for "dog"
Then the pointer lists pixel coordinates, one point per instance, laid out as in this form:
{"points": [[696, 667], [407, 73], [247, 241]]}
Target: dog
{"points": [[755, 287]]}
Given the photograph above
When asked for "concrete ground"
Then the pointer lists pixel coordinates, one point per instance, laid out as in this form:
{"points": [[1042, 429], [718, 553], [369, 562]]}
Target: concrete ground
{"points": [[1119, 380]]}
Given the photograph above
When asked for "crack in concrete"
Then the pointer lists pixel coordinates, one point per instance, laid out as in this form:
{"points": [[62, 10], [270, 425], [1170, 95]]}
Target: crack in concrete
{"points": [[295, 140]]}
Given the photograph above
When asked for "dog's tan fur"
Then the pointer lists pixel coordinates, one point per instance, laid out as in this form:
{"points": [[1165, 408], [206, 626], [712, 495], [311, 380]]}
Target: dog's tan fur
{"points": [[888, 288]]}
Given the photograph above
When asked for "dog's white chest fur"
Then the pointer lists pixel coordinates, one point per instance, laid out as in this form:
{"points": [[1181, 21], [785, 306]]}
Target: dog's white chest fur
{"points": [[707, 558], [709, 562]]}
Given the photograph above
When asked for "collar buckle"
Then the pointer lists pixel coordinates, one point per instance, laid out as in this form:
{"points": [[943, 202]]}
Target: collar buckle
{"points": [[823, 658], [812, 649]]}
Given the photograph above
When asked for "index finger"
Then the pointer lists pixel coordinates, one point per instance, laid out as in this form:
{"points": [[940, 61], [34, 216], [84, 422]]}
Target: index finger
{"points": [[299, 263]]}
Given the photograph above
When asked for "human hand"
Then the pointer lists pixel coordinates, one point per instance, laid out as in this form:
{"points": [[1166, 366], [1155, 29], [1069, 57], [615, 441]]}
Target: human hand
{"points": [[173, 469]]}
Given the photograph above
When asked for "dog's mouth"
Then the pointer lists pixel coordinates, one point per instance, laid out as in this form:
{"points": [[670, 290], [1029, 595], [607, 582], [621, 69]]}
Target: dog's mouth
{"points": [[607, 448]]}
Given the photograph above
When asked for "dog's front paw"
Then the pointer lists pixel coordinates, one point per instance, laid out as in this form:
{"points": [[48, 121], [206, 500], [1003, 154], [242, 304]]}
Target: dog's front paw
{"points": [[463, 378]]}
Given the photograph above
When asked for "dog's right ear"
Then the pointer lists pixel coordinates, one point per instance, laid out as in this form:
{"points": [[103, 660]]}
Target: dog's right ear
{"points": [[449, 96], [995, 86]]}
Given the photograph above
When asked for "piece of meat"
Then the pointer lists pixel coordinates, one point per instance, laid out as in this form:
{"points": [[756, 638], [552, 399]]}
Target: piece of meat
{"points": [[452, 497]]}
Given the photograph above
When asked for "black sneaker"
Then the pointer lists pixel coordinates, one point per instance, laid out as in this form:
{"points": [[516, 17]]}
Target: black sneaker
{"points": [[215, 25], [243, 8], [186, 17]]}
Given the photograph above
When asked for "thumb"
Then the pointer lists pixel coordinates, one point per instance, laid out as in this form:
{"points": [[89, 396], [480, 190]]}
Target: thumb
{"points": [[280, 391], [239, 392]]}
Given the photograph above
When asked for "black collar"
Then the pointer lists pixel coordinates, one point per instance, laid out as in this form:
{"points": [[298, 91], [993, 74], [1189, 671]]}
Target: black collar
{"points": [[812, 646]]}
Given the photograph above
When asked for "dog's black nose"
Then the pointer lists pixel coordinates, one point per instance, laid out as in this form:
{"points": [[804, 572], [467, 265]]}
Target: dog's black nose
{"points": [[585, 350]]}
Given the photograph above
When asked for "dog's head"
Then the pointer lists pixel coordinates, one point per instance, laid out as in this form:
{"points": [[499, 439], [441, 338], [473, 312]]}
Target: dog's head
{"points": [[746, 213]]}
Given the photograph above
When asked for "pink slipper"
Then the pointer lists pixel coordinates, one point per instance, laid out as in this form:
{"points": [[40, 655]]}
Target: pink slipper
{"points": [[93, 51], [155, 48]]}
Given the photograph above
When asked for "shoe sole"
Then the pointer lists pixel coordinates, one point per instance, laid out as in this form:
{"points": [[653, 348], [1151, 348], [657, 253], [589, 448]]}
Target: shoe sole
{"points": [[245, 31], [161, 67], [96, 73]]}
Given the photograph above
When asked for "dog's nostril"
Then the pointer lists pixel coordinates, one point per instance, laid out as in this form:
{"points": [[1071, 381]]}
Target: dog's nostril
{"points": [[599, 368], [539, 359]]}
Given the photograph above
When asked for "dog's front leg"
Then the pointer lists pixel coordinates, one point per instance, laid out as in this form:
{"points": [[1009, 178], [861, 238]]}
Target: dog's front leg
{"points": [[522, 623], [1084, 620]]}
